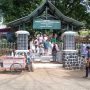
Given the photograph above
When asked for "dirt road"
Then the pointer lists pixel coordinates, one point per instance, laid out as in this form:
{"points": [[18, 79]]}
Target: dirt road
{"points": [[45, 79]]}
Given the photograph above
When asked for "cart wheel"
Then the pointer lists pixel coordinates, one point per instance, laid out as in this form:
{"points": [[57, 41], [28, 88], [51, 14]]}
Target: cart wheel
{"points": [[16, 67]]}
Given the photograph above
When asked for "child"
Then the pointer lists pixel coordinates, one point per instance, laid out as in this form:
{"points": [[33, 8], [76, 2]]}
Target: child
{"points": [[29, 62]]}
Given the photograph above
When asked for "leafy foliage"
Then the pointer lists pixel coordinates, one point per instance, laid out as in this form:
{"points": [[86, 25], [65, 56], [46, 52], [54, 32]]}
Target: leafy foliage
{"points": [[74, 9], [14, 9]]}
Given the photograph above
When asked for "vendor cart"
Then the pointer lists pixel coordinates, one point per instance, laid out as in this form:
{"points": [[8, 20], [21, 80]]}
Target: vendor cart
{"points": [[12, 63]]}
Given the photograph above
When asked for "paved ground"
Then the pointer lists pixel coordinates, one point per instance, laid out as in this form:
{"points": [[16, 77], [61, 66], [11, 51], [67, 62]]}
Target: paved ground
{"points": [[45, 79]]}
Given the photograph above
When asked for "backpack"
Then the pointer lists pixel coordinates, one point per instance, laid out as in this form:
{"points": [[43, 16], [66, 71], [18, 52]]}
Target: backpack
{"points": [[88, 54], [54, 50]]}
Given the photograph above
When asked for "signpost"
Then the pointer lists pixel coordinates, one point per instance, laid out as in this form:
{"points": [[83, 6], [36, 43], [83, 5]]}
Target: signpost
{"points": [[46, 24]]}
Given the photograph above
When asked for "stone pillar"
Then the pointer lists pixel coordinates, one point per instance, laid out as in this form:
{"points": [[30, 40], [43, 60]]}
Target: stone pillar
{"points": [[22, 40], [69, 40], [70, 55]]}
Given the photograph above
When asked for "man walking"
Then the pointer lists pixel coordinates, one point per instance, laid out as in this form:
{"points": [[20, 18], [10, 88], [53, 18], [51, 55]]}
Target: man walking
{"points": [[87, 61]]}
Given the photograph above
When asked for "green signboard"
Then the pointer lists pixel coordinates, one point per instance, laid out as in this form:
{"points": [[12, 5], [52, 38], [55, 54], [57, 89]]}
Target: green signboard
{"points": [[46, 24]]}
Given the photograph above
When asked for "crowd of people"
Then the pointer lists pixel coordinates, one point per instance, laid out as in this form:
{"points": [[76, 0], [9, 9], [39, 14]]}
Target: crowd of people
{"points": [[44, 45]]}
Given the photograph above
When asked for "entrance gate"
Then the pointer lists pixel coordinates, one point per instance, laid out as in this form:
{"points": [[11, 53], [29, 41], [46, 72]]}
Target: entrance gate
{"points": [[49, 18]]}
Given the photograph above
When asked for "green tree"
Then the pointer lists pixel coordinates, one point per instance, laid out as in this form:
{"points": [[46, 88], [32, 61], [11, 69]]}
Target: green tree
{"points": [[74, 9], [14, 9]]}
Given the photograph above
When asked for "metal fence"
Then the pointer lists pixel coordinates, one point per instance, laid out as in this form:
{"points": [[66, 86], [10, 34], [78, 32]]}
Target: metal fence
{"points": [[7, 48]]}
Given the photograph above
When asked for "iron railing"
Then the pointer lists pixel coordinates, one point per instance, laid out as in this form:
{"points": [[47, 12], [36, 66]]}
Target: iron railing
{"points": [[7, 48]]}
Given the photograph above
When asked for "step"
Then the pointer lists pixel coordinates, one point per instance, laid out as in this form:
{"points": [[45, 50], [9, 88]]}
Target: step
{"points": [[43, 58], [47, 65]]}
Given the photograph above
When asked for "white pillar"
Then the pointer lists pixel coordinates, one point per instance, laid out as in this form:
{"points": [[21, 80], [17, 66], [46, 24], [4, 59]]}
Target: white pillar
{"points": [[22, 40]]}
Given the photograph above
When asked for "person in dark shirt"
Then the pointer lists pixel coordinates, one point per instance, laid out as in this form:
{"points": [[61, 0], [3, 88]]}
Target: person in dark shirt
{"points": [[54, 52], [87, 61]]}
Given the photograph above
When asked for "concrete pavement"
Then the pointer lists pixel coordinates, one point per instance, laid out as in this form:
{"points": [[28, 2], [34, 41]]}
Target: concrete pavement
{"points": [[45, 79]]}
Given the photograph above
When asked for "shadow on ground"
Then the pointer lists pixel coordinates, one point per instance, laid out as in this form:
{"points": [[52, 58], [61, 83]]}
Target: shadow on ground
{"points": [[9, 72]]}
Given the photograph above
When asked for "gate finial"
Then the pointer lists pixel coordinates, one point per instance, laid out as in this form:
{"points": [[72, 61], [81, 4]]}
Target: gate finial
{"points": [[52, 1]]}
